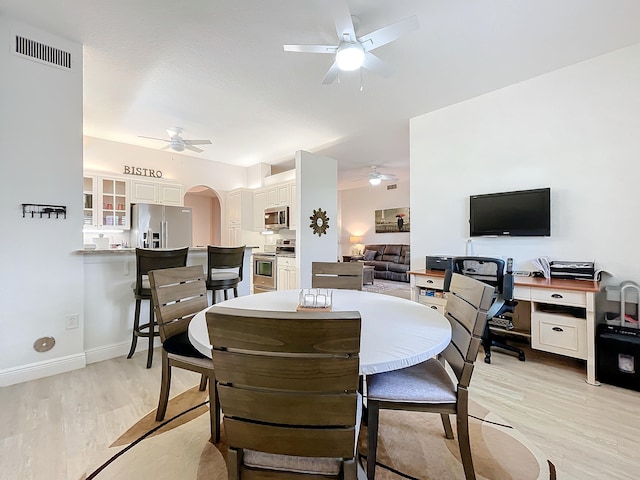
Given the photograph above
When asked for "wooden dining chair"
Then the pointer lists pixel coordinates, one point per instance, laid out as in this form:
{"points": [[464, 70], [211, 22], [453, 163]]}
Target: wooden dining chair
{"points": [[427, 387], [287, 383], [178, 295], [345, 275]]}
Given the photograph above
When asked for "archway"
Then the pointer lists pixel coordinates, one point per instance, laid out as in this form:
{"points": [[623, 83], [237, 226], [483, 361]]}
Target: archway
{"points": [[206, 214]]}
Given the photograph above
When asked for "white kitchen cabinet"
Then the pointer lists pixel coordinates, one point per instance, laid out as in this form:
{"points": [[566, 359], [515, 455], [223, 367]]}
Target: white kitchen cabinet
{"points": [[259, 204], [239, 210], [278, 195], [146, 191], [105, 202], [287, 276], [234, 235]]}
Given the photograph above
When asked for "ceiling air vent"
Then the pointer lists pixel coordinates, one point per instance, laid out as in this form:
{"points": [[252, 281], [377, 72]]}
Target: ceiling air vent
{"points": [[392, 186], [42, 53]]}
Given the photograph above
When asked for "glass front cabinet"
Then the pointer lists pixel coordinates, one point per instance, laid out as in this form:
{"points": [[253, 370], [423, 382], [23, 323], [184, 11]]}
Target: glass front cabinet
{"points": [[106, 202]]}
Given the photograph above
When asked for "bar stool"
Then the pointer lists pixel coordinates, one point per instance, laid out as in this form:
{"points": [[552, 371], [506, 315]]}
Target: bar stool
{"points": [[147, 260], [222, 263]]}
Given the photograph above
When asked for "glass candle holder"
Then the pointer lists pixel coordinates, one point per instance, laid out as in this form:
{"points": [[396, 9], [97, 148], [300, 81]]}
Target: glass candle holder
{"points": [[315, 298]]}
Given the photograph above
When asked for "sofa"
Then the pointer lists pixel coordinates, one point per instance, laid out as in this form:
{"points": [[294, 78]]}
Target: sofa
{"points": [[390, 261]]}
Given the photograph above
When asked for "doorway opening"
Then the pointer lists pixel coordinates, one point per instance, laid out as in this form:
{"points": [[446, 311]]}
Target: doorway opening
{"points": [[205, 211]]}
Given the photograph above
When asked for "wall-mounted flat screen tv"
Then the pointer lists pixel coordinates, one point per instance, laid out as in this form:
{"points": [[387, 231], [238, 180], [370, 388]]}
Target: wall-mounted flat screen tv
{"points": [[524, 213]]}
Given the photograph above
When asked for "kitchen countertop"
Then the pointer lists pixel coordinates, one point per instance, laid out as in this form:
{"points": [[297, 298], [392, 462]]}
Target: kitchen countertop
{"points": [[121, 251]]}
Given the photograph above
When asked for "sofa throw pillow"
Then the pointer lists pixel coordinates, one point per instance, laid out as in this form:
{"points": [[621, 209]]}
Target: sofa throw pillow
{"points": [[369, 255]]}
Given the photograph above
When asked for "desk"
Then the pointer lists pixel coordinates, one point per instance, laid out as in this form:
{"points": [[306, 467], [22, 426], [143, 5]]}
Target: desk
{"points": [[396, 333], [553, 303]]}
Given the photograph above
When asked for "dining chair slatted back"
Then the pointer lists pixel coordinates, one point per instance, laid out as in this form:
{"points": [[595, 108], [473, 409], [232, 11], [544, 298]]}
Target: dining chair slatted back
{"points": [[427, 387], [288, 386], [178, 295], [148, 259], [342, 275], [224, 269], [466, 310]]}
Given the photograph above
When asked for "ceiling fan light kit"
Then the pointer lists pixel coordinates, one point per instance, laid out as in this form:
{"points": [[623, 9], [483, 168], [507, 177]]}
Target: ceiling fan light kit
{"points": [[350, 56], [375, 181]]}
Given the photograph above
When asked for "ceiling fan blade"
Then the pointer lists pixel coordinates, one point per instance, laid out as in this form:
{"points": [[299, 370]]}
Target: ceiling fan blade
{"points": [[389, 33], [343, 21], [193, 149], [387, 177], [331, 75], [197, 142], [154, 138], [311, 48], [374, 64]]}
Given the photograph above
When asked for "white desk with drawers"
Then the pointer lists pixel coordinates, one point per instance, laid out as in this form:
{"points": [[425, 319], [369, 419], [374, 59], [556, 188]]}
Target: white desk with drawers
{"points": [[563, 319]]}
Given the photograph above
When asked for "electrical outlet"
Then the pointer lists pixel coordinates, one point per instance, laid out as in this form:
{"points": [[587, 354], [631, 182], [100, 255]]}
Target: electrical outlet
{"points": [[72, 321]]}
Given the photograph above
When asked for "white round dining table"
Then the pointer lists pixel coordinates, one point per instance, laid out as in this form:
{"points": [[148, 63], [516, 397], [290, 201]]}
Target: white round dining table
{"points": [[395, 332]]}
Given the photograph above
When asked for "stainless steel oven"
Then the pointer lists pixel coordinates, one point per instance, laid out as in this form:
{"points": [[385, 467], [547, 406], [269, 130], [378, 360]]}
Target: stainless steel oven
{"points": [[264, 273]]}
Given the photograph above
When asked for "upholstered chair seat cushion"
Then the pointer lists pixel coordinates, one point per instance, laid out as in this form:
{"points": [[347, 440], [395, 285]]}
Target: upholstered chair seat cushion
{"points": [[224, 276], [292, 463], [180, 344], [426, 382]]}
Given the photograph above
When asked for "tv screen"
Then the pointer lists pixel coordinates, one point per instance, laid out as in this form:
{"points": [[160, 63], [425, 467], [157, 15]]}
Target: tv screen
{"points": [[525, 213]]}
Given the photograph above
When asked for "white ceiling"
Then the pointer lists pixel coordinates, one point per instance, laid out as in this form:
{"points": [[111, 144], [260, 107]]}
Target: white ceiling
{"points": [[218, 69]]}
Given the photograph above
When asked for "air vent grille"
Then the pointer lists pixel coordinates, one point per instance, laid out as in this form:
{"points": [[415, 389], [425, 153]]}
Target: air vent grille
{"points": [[392, 186], [43, 53]]}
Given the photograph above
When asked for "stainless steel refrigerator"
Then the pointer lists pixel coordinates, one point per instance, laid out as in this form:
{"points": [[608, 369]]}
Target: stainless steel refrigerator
{"points": [[160, 226]]}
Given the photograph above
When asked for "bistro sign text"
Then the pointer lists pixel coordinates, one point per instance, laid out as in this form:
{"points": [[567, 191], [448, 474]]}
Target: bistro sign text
{"points": [[142, 172]]}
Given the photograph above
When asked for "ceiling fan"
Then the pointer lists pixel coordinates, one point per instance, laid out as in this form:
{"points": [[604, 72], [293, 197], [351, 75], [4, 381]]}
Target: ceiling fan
{"points": [[179, 144], [375, 177], [353, 52]]}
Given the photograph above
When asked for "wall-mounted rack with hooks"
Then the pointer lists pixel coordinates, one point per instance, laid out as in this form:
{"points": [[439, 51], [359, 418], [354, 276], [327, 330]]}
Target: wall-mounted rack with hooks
{"points": [[43, 211]]}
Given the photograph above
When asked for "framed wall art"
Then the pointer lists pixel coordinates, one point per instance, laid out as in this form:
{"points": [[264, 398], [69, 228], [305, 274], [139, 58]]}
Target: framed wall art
{"points": [[392, 220]]}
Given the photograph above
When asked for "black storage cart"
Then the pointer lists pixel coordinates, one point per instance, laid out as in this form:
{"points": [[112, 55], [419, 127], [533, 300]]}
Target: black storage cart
{"points": [[618, 340]]}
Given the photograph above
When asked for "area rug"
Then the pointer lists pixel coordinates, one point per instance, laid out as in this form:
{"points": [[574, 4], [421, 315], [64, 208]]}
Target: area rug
{"points": [[385, 286], [411, 445]]}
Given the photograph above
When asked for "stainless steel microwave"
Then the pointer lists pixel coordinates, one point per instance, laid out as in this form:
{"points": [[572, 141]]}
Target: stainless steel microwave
{"points": [[276, 218]]}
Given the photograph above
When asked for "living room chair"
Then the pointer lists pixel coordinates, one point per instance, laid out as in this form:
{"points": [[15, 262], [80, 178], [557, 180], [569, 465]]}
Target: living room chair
{"points": [[178, 295], [146, 260], [224, 269], [427, 386], [344, 275], [492, 272], [287, 383]]}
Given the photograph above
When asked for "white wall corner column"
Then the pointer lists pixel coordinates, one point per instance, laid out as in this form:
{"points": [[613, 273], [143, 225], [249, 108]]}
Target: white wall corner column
{"points": [[317, 187]]}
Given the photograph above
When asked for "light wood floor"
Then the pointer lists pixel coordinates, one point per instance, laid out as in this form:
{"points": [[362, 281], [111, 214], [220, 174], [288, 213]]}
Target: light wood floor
{"points": [[51, 428]]}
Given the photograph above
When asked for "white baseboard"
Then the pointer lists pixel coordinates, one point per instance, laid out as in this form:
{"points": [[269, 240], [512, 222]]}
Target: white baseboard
{"points": [[47, 368], [115, 350], [33, 371]]}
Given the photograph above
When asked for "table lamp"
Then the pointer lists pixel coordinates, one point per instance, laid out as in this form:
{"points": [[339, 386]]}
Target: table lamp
{"points": [[356, 245]]}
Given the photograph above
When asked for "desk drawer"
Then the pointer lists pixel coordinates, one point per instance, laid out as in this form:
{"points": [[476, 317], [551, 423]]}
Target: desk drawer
{"points": [[559, 297], [560, 334], [435, 303], [436, 283]]}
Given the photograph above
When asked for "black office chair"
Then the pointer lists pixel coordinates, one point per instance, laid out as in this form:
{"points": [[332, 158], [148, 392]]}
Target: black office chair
{"points": [[492, 272]]}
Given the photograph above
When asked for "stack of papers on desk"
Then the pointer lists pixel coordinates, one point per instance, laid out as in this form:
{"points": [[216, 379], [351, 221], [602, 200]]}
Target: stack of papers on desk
{"points": [[543, 265]]}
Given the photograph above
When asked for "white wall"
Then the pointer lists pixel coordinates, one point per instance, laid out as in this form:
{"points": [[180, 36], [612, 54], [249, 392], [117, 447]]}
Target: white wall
{"points": [[107, 156], [41, 138], [576, 130], [357, 214], [317, 177]]}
